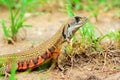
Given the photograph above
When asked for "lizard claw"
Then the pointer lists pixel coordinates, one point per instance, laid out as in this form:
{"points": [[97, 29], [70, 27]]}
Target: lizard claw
{"points": [[61, 67]]}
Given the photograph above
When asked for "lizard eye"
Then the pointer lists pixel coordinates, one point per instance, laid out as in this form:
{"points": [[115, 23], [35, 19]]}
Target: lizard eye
{"points": [[77, 19]]}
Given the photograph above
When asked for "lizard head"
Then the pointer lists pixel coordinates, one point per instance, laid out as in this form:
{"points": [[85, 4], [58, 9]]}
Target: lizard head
{"points": [[72, 26]]}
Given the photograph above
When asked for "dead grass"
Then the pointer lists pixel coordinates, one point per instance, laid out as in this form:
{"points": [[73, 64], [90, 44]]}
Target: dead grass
{"points": [[105, 60]]}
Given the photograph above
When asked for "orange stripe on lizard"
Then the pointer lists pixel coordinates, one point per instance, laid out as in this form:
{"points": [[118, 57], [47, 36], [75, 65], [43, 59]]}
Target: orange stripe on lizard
{"points": [[48, 53], [57, 51], [40, 60], [24, 65], [31, 64], [19, 66]]}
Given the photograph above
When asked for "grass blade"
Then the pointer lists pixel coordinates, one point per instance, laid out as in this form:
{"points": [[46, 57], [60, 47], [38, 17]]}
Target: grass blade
{"points": [[69, 8], [5, 30]]}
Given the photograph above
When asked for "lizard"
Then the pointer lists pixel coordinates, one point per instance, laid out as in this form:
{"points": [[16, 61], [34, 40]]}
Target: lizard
{"points": [[34, 57]]}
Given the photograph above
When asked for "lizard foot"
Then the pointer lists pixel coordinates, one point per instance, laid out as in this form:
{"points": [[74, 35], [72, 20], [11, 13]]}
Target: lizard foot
{"points": [[7, 75], [61, 62]]}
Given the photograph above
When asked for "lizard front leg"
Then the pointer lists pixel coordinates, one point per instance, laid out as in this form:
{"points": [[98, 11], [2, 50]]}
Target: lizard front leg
{"points": [[61, 58], [58, 59]]}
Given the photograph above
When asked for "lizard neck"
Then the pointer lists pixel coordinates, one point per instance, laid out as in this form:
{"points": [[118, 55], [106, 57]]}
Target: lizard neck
{"points": [[57, 39]]}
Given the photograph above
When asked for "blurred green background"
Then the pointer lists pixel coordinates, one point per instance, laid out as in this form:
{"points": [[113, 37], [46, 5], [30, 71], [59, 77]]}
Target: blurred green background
{"points": [[18, 8]]}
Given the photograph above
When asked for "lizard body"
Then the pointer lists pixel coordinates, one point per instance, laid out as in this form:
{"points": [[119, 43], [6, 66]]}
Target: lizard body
{"points": [[36, 56]]}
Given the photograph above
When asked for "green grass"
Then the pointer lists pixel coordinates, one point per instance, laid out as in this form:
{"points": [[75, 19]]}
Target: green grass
{"points": [[16, 21], [88, 32], [90, 38], [31, 5], [69, 8], [75, 5], [13, 71], [78, 4], [90, 6], [113, 35]]}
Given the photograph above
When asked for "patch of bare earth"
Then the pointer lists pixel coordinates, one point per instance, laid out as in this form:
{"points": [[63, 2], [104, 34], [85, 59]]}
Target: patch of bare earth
{"points": [[84, 64]]}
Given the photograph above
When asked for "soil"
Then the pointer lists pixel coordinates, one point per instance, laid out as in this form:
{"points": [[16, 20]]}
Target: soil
{"points": [[86, 67]]}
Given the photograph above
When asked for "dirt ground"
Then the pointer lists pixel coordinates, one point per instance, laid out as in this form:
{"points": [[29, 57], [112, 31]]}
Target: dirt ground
{"points": [[44, 26]]}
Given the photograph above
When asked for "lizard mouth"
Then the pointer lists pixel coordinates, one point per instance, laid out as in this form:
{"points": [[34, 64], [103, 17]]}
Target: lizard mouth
{"points": [[79, 21]]}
